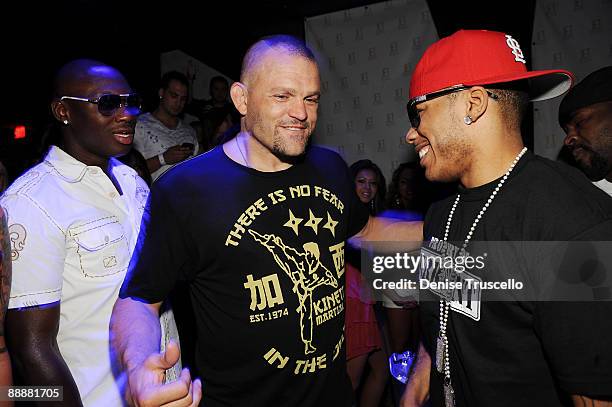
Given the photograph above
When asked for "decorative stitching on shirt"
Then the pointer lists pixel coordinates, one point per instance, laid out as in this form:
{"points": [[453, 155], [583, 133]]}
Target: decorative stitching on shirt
{"points": [[37, 293]]}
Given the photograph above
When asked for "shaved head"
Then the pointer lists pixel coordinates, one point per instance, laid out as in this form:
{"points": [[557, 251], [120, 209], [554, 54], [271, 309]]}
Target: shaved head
{"points": [[89, 134], [280, 43], [71, 77]]}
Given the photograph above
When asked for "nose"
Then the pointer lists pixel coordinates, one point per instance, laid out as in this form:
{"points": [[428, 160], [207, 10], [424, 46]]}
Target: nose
{"points": [[571, 137], [298, 110], [411, 136], [125, 113]]}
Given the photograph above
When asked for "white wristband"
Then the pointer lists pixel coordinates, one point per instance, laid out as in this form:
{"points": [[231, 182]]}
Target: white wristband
{"points": [[160, 157]]}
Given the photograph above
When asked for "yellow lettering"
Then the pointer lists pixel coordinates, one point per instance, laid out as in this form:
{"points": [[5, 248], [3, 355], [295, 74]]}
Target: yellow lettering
{"points": [[260, 205], [294, 191]]}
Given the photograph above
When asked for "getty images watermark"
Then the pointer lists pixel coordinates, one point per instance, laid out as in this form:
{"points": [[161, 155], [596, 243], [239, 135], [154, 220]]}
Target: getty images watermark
{"points": [[412, 264], [489, 271]]}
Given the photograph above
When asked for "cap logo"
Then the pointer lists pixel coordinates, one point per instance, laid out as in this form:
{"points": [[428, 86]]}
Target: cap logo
{"points": [[516, 49]]}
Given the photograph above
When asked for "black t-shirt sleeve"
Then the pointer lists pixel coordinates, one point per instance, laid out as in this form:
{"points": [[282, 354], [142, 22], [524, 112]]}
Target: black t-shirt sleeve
{"points": [[162, 254]]}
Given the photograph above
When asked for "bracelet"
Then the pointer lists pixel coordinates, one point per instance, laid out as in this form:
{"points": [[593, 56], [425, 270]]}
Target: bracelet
{"points": [[161, 159]]}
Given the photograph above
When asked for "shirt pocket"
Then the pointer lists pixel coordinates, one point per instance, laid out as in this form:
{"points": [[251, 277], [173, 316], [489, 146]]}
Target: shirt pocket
{"points": [[101, 247]]}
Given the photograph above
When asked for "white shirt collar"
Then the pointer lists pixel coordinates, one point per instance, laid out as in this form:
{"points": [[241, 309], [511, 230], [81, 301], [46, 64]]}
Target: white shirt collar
{"points": [[73, 170]]}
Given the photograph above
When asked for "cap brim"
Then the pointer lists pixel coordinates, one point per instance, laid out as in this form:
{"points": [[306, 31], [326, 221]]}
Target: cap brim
{"points": [[543, 85]]}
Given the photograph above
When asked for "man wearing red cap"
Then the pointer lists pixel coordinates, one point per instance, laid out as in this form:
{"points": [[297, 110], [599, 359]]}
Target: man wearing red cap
{"points": [[493, 347]]}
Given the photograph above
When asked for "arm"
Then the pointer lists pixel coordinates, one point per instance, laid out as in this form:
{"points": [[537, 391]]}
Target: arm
{"points": [[172, 155], [32, 338], [5, 290], [584, 401], [416, 392], [391, 230], [135, 338]]}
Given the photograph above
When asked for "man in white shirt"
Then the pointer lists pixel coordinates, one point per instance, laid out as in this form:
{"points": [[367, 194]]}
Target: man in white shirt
{"points": [[73, 221], [161, 136], [585, 114]]}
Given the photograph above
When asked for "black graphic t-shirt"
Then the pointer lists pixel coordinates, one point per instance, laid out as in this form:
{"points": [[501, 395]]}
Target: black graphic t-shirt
{"points": [[263, 254], [523, 353]]}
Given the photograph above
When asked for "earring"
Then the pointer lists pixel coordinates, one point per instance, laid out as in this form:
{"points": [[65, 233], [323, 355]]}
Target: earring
{"points": [[467, 120], [65, 122]]}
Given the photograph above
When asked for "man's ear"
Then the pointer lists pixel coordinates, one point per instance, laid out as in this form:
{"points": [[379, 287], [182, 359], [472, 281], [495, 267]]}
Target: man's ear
{"points": [[59, 111], [239, 95], [477, 102]]}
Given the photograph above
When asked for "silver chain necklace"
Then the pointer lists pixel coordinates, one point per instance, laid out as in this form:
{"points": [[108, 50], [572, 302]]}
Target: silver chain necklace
{"points": [[442, 355]]}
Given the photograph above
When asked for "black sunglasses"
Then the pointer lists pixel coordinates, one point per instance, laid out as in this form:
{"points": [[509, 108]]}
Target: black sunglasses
{"points": [[108, 104], [413, 113]]}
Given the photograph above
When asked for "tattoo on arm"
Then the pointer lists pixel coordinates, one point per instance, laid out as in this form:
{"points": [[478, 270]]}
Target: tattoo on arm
{"points": [[5, 272]]}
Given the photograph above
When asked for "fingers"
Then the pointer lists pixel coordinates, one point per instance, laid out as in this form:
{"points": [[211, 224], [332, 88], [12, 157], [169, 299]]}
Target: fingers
{"points": [[175, 394], [194, 392], [159, 362], [172, 354]]}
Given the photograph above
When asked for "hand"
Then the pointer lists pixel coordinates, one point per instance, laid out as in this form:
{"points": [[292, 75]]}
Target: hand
{"points": [[146, 382], [177, 154], [408, 304]]}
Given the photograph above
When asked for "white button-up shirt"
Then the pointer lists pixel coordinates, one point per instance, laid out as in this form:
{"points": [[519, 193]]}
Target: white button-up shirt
{"points": [[72, 236]]}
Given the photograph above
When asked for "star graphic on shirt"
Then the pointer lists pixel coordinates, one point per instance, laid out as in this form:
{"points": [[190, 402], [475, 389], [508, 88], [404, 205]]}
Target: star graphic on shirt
{"points": [[331, 225], [293, 222], [313, 222]]}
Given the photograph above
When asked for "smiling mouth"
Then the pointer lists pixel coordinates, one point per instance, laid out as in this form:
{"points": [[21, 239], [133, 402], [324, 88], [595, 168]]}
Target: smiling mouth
{"points": [[422, 151], [124, 137], [294, 128]]}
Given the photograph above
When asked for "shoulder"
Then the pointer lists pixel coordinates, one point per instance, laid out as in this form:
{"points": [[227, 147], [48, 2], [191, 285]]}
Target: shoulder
{"points": [[144, 118], [325, 158], [561, 197], [560, 183], [143, 123], [187, 127], [37, 181], [31, 198], [194, 170]]}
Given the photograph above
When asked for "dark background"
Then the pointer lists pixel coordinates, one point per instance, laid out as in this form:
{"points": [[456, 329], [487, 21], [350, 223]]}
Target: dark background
{"points": [[38, 38]]}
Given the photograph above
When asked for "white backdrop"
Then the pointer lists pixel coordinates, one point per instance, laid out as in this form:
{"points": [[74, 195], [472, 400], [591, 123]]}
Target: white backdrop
{"points": [[198, 73], [366, 57], [574, 35]]}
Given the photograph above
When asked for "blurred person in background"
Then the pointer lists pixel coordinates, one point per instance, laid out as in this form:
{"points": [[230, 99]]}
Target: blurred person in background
{"points": [[135, 160], [363, 339], [162, 138]]}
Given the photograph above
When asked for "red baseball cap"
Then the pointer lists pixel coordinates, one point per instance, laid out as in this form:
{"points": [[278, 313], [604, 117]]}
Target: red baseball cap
{"points": [[480, 57]]}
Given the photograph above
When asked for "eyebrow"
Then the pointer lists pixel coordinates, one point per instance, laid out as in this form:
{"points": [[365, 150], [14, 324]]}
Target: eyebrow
{"points": [[293, 91]]}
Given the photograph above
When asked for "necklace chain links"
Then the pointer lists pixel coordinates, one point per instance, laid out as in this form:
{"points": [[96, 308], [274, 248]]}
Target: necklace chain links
{"points": [[444, 304]]}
